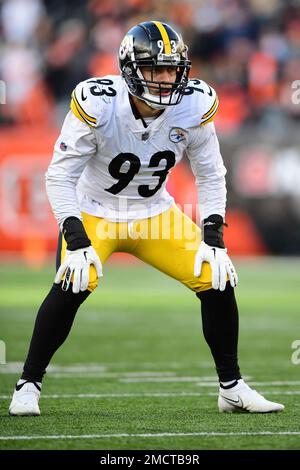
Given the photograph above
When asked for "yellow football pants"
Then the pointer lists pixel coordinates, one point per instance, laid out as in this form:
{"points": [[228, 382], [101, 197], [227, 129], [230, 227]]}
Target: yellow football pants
{"points": [[168, 242]]}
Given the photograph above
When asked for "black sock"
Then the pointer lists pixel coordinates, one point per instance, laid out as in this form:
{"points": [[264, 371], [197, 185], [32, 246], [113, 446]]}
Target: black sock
{"points": [[53, 323], [232, 384], [220, 324]]}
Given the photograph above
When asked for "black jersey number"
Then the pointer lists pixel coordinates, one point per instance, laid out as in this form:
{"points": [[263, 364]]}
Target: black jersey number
{"points": [[105, 89], [126, 165], [189, 90], [131, 165]]}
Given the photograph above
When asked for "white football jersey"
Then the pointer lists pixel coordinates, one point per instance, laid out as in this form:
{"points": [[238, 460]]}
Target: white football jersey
{"points": [[108, 164]]}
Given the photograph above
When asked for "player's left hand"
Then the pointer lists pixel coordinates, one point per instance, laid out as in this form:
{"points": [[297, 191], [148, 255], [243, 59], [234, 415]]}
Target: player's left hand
{"points": [[220, 263]]}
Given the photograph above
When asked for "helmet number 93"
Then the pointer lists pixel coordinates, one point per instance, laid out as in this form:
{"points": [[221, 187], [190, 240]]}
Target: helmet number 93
{"points": [[160, 44]]}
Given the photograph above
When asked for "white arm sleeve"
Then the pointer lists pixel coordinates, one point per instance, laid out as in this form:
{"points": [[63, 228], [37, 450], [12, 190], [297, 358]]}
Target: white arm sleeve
{"points": [[207, 165], [73, 148]]}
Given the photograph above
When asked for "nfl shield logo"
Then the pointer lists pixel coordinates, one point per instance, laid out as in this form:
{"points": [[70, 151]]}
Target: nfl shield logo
{"points": [[63, 146]]}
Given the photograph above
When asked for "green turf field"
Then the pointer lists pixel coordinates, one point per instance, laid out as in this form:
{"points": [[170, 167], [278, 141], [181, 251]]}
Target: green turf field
{"points": [[136, 373]]}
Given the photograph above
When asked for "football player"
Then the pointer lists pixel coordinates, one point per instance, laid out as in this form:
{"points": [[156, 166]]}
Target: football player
{"points": [[106, 184]]}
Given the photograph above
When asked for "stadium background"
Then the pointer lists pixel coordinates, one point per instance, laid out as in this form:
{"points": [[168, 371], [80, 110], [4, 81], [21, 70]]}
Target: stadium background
{"points": [[250, 52]]}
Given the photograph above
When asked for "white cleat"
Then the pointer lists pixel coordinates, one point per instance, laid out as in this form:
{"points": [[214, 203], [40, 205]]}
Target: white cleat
{"points": [[25, 400], [242, 398]]}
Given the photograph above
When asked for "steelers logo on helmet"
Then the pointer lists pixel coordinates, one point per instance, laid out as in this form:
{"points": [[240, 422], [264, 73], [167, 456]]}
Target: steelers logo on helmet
{"points": [[153, 45], [126, 46]]}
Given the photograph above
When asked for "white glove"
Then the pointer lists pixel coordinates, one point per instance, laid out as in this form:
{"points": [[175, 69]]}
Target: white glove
{"points": [[78, 263], [220, 264]]}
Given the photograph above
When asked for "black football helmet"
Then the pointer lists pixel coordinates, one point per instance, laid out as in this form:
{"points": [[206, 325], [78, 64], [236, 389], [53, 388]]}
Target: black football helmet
{"points": [[154, 44]]}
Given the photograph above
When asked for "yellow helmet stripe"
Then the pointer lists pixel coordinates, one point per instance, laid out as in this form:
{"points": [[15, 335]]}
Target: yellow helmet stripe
{"points": [[164, 35]]}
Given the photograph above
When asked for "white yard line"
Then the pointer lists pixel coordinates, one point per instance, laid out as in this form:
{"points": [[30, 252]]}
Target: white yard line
{"points": [[114, 375], [202, 383], [212, 383], [122, 395], [16, 367], [149, 394], [141, 376], [166, 434]]}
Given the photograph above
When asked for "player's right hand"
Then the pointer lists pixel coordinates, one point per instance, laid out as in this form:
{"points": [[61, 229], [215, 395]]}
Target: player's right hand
{"points": [[77, 264]]}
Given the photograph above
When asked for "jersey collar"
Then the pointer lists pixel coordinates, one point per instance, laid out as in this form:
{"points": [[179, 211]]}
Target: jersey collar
{"points": [[134, 121]]}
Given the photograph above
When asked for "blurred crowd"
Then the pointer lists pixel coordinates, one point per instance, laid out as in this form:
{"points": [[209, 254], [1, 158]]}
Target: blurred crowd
{"points": [[249, 50]]}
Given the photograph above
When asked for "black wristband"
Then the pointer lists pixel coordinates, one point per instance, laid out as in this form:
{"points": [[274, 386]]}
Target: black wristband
{"points": [[213, 231], [75, 234]]}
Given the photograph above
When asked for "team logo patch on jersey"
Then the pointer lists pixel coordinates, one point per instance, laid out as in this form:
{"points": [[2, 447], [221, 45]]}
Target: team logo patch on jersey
{"points": [[176, 135]]}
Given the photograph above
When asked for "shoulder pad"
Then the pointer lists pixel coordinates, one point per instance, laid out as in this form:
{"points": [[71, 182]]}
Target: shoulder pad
{"points": [[89, 97], [200, 103]]}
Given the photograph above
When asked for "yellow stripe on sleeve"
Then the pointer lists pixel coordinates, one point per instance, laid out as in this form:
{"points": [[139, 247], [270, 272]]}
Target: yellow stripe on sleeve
{"points": [[212, 114], [81, 111], [215, 104], [76, 112], [164, 35]]}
